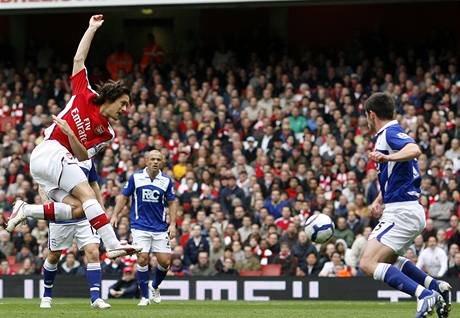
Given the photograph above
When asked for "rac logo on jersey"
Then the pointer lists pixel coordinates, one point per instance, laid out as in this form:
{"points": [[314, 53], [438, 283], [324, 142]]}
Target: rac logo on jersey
{"points": [[151, 195]]}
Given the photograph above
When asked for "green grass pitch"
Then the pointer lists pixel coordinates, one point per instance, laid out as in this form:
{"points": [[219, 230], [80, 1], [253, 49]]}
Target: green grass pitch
{"points": [[69, 307]]}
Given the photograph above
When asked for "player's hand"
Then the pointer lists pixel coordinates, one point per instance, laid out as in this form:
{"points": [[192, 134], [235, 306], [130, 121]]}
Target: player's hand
{"points": [[114, 221], [375, 209], [96, 21], [63, 125], [172, 231], [378, 157]]}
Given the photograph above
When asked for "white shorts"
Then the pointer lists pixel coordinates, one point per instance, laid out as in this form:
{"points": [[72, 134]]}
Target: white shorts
{"points": [[61, 236], [53, 167], [151, 242], [399, 225]]}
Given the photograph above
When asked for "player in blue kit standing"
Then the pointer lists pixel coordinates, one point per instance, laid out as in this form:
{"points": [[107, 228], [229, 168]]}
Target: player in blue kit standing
{"points": [[63, 233], [153, 195], [403, 217]]}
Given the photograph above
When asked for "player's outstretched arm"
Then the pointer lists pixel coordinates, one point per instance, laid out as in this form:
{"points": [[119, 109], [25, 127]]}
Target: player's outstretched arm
{"points": [[82, 52], [121, 201]]}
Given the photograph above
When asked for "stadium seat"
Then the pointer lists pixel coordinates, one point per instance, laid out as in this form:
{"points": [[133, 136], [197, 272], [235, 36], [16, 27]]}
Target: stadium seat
{"points": [[250, 273], [16, 267], [11, 260], [271, 270]]}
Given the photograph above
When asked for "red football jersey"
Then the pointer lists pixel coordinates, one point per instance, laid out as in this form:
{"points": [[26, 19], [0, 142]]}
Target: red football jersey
{"points": [[83, 116]]}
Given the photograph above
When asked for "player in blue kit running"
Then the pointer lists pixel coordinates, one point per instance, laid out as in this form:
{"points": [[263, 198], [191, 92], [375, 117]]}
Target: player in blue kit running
{"points": [[153, 195], [403, 217], [63, 233]]}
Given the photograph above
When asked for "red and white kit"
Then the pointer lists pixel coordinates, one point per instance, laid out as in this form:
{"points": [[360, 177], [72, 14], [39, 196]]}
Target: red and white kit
{"points": [[53, 165]]}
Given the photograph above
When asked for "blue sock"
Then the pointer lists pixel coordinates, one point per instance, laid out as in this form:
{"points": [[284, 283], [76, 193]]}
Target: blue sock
{"points": [[94, 276], [398, 280], [49, 274], [143, 278], [160, 274], [408, 268]]}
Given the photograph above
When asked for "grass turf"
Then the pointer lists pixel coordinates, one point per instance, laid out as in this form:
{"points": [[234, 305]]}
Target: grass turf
{"points": [[70, 307]]}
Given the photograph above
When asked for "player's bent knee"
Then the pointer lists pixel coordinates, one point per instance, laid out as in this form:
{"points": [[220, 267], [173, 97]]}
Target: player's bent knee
{"points": [[143, 259], [53, 257], [92, 253], [83, 192]]}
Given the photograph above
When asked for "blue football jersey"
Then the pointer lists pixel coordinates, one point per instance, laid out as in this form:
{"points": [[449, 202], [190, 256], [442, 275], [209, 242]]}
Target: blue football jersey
{"points": [[399, 181], [150, 199]]}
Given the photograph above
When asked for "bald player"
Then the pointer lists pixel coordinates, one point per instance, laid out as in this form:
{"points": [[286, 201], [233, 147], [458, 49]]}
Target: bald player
{"points": [[152, 193]]}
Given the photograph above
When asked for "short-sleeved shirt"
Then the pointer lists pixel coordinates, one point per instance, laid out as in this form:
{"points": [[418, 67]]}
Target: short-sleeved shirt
{"points": [[83, 116], [150, 199], [399, 181]]}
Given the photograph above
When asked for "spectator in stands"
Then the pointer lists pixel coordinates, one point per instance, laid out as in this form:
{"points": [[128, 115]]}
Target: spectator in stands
{"points": [[230, 192], [454, 270], [177, 267], [331, 268], [5, 268], [433, 259], [216, 251], [357, 248], [228, 268], [6, 246], [441, 211], [126, 287], [246, 229], [287, 261], [249, 263], [309, 266], [119, 63], [152, 54], [453, 222], [302, 248], [429, 230], [274, 204], [343, 231], [203, 267], [28, 267], [453, 249], [194, 246], [70, 265]]}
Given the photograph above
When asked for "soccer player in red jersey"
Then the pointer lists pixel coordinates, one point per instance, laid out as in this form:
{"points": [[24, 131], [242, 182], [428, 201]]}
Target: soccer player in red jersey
{"points": [[77, 134]]}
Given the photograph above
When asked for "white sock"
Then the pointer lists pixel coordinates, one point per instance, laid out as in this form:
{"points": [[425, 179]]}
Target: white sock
{"points": [[98, 219], [49, 267], [380, 271], [60, 211]]}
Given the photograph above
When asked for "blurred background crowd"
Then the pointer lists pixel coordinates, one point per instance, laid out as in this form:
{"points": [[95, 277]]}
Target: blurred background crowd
{"points": [[256, 143]]}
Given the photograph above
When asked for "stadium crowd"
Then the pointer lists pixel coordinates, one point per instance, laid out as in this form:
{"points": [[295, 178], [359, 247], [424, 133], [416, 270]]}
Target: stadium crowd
{"points": [[255, 148]]}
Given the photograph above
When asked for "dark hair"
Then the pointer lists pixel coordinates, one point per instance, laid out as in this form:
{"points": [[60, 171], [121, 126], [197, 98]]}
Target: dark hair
{"points": [[110, 92], [383, 105]]}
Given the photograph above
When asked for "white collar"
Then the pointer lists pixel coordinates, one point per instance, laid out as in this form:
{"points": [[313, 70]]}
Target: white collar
{"points": [[146, 172], [388, 124]]}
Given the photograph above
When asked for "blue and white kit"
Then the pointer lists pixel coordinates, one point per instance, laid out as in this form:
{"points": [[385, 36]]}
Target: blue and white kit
{"points": [[149, 207], [62, 233], [403, 217]]}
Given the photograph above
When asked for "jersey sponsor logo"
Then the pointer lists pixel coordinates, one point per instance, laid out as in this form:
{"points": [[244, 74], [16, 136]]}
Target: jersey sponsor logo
{"points": [[99, 129], [151, 195], [403, 135], [82, 125]]}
